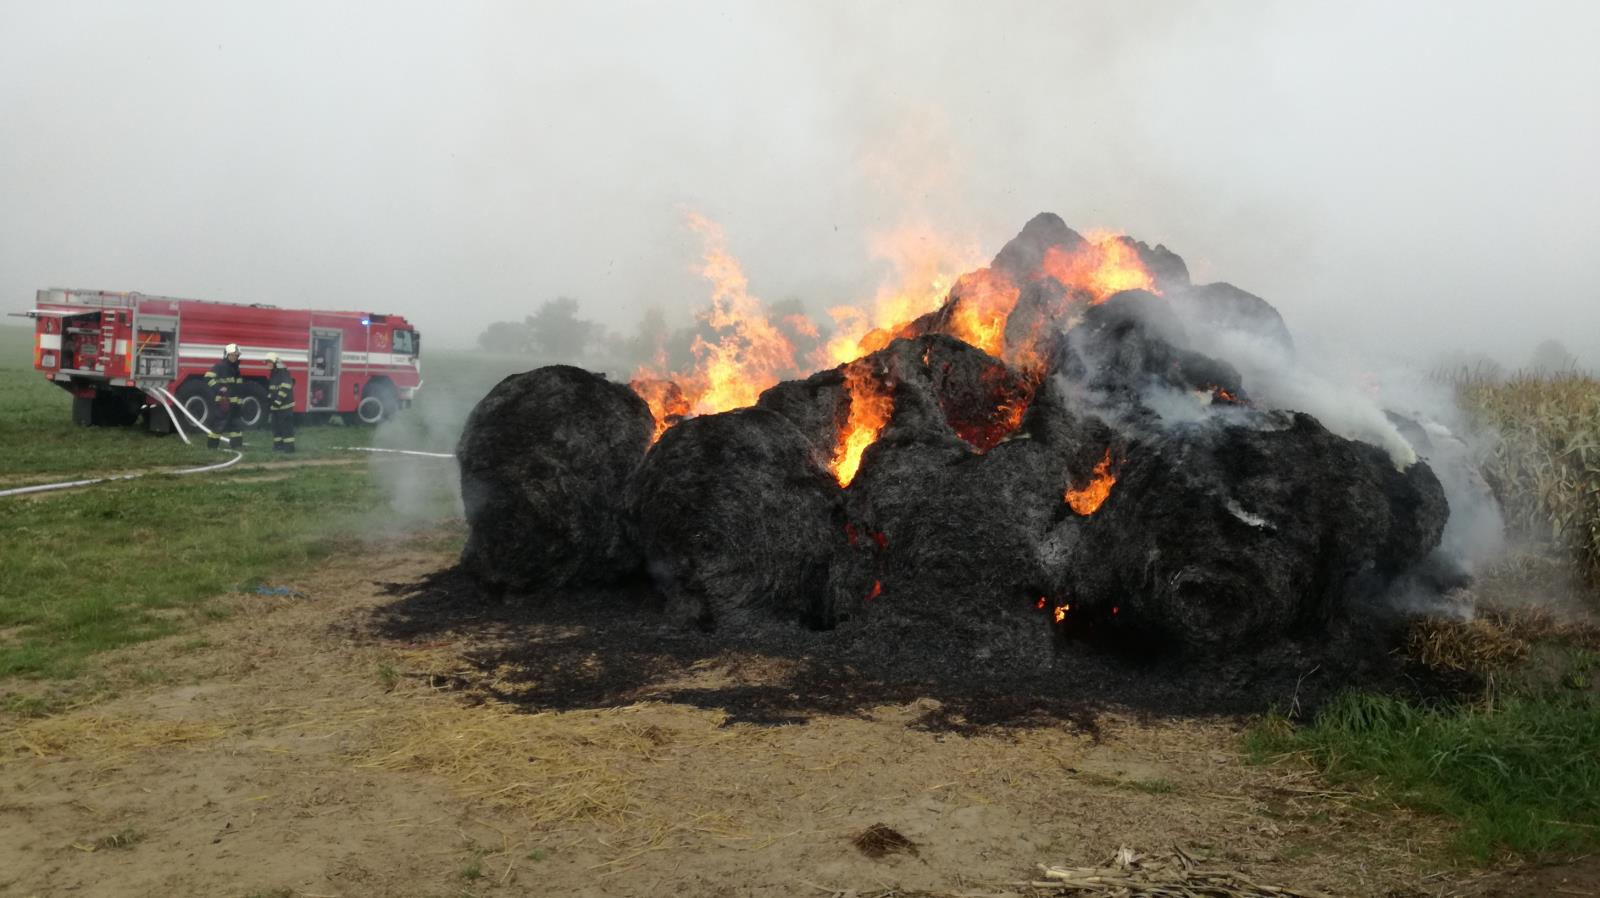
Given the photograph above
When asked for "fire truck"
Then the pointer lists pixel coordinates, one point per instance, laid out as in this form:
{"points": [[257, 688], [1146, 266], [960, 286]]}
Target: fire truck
{"points": [[124, 356]]}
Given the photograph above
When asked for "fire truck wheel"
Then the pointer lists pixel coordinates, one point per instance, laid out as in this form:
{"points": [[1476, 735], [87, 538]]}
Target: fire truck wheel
{"points": [[378, 405], [252, 402], [192, 396], [370, 411]]}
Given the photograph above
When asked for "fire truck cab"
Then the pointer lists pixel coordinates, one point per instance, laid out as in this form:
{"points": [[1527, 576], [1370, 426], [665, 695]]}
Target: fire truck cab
{"points": [[127, 355]]}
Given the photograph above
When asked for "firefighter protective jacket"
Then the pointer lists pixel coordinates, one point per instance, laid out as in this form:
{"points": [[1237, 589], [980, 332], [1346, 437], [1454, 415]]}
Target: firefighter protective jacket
{"points": [[280, 390], [223, 379]]}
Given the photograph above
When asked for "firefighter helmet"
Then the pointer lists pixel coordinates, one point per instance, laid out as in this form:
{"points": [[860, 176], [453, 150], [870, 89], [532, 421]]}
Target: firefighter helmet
{"points": [[231, 349], [272, 360]]}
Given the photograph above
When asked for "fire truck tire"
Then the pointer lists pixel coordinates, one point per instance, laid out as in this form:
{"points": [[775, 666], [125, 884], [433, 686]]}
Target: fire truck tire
{"points": [[252, 402], [378, 405], [192, 395]]}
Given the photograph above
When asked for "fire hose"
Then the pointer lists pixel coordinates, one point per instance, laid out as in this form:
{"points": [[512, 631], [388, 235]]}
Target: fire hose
{"points": [[237, 455], [397, 451], [69, 484]]}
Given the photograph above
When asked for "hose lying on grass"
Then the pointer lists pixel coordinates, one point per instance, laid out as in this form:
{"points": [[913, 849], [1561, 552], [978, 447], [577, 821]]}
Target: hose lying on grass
{"points": [[397, 451], [69, 484]]}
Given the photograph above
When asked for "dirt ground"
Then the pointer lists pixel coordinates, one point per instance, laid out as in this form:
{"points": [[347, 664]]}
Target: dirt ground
{"points": [[291, 751]]}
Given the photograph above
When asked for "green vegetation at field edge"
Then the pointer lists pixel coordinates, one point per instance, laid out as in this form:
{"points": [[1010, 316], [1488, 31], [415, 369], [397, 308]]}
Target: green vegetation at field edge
{"points": [[1520, 776]]}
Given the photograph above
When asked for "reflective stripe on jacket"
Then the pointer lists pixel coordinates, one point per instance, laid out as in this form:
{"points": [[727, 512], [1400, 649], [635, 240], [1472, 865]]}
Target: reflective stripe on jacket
{"points": [[280, 390]]}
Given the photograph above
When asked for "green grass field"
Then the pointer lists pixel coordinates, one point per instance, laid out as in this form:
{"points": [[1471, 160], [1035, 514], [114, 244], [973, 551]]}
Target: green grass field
{"points": [[108, 565]]}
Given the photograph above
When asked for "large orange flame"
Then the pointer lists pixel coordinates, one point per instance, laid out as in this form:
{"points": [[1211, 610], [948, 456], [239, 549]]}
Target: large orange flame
{"points": [[1105, 264], [749, 354], [871, 405], [753, 354], [1089, 498], [923, 264], [983, 301]]}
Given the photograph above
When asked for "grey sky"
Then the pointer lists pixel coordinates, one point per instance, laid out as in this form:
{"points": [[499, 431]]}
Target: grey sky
{"points": [[1411, 174]]}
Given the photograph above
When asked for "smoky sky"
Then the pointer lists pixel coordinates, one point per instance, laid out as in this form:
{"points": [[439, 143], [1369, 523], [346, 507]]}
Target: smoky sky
{"points": [[1413, 177]]}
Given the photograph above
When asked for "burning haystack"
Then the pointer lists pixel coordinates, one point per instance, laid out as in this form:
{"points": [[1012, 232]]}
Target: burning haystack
{"points": [[1042, 455]]}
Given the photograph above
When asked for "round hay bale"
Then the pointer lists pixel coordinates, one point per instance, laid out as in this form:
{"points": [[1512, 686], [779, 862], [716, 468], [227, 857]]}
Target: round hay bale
{"points": [[738, 523], [1220, 537], [545, 458]]}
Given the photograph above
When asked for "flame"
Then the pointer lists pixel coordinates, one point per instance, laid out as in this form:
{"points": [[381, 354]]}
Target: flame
{"points": [[750, 352], [870, 407], [982, 303], [1106, 264], [923, 264], [1041, 603], [753, 354], [877, 590], [1087, 501], [666, 400], [1061, 612]]}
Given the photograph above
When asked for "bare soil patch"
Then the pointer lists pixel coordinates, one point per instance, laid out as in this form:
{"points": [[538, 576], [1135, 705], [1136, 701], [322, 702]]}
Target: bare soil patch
{"points": [[293, 750]]}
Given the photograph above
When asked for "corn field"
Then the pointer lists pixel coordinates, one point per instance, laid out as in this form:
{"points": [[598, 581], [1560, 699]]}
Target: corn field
{"points": [[1545, 466]]}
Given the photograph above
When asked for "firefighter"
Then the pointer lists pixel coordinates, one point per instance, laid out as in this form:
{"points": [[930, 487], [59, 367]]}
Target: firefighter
{"points": [[224, 382], [280, 399]]}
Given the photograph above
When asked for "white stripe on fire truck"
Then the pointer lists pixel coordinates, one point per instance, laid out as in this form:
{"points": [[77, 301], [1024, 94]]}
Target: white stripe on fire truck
{"points": [[246, 353], [204, 351]]}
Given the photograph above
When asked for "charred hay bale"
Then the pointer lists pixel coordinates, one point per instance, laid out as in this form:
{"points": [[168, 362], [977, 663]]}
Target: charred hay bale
{"points": [[962, 533], [1166, 267], [737, 522], [1022, 258], [1133, 341], [1224, 307], [544, 459], [817, 406], [980, 398], [1220, 537]]}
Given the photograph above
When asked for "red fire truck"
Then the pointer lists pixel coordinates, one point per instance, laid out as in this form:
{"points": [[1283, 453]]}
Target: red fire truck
{"points": [[126, 354]]}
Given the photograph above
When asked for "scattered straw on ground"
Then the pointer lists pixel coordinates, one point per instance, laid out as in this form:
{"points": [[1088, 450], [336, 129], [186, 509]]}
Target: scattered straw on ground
{"points": [[1132, 875], [553, 767], [101, 739], [1479, 645], [1535, 623]]}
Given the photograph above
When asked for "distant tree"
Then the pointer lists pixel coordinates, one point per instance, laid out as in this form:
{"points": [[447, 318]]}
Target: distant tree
{"points": [[553, 333], [1551, 357], [556, 332], [649, 338], [505, 337]]}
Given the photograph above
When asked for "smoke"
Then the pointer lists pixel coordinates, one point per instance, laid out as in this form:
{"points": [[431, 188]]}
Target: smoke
{"points": [[1396, 406], [421, 493], [425, 163]]}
